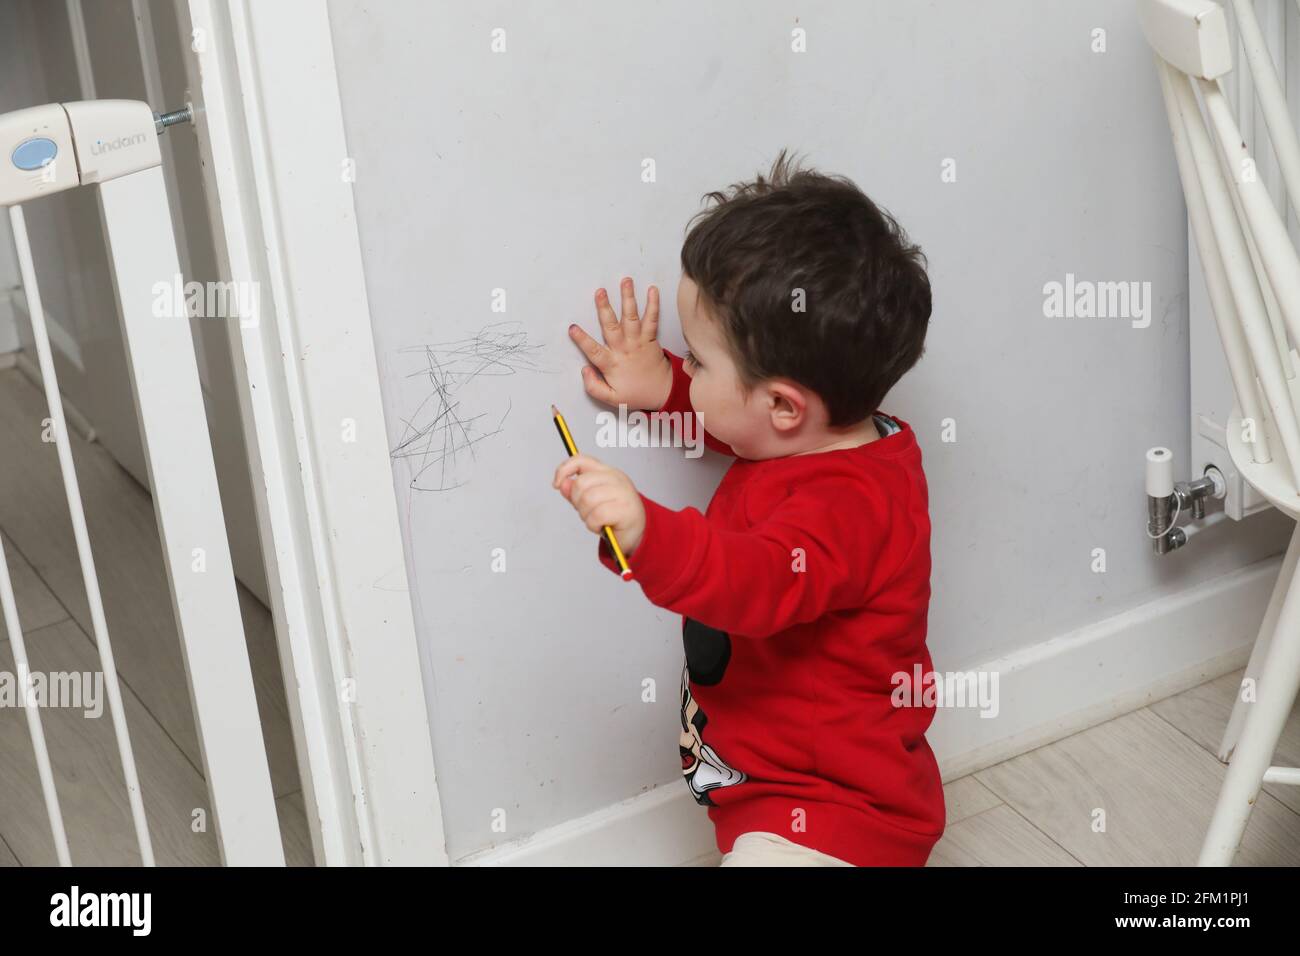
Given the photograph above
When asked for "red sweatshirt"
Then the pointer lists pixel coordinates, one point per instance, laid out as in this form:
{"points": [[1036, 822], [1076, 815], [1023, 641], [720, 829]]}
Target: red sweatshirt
{"points": [[804, 590]]}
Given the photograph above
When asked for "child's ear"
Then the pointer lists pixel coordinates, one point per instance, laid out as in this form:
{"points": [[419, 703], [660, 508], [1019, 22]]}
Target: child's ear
{"points": [[788, 405]]}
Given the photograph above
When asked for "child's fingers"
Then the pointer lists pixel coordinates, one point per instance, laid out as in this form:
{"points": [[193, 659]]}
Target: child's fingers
{"points": [[650, 321], [631, 320], [607, 513], [601, 494], [597, 354], [583, 491], [597, 387], [587, 487], [609, 326], [591, 496], [571, 466]]}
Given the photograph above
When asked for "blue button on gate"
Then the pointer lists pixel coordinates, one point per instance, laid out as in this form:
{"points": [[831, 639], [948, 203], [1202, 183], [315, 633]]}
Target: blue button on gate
{"points": [[35, 153]]}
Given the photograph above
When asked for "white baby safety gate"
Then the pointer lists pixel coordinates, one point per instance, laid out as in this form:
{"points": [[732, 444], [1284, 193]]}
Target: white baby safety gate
{"points": [[1252, 277], [112, 145]]}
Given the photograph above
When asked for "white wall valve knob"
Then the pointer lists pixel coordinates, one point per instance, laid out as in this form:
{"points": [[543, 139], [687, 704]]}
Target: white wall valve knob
{"points": [[1160, 472]]}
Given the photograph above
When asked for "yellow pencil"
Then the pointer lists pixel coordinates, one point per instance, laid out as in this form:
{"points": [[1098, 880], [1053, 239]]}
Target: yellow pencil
{"points": [[572, 449]]}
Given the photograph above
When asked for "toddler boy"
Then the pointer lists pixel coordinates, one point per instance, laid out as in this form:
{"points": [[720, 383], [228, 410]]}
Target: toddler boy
{"points": [[804, 587]]}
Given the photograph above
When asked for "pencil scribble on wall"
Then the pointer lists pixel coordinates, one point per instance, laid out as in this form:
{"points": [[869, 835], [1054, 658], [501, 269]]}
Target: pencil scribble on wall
{"points": [[442, 433]]}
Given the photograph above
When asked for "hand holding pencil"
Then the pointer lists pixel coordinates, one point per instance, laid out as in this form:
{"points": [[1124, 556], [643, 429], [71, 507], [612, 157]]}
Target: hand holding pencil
{"points": [[604, 498]]}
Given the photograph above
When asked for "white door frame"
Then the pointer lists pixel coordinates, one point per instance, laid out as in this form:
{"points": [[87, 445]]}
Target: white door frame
{"points": [[270, 127]]}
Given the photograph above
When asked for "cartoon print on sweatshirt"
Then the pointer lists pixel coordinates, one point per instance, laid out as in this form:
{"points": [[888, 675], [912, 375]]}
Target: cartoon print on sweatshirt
{"points": [[708, 651]]}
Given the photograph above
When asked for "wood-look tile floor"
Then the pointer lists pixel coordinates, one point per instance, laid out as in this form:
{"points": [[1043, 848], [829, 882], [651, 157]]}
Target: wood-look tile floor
{"points": [[55, 619], [1138, 790]]}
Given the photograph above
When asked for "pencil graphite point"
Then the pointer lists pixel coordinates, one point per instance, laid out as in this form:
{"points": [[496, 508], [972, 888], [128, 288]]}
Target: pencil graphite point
{"points": [[554, 411]]}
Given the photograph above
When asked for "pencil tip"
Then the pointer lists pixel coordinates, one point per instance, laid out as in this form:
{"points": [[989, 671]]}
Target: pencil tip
{"points": [[554, 410]]}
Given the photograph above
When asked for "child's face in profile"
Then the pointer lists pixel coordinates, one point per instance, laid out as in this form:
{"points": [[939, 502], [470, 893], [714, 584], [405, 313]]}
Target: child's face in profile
{"points": [[727, 410]]}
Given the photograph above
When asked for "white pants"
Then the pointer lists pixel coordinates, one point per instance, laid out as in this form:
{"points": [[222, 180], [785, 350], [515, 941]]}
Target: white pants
{"points": [[759, 848]]}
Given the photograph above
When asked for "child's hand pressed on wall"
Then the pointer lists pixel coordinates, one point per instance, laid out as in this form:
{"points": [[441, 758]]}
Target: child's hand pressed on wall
{"points": [[630, 368], [603, 496]]}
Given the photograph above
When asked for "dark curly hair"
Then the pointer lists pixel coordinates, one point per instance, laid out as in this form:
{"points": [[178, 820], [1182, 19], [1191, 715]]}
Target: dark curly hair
{"points": [[814, 282]]}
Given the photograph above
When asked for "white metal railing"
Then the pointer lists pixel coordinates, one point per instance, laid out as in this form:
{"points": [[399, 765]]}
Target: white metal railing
{"points": [[49, 149], [99, 625], [33, 712]]}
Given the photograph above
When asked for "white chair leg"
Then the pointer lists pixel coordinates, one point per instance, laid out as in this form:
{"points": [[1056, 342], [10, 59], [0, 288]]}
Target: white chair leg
{"points": [[1278, 684], [1266, 629]]}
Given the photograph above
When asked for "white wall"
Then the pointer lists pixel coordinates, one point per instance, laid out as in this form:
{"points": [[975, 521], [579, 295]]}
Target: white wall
{"points": [[522, 169]]}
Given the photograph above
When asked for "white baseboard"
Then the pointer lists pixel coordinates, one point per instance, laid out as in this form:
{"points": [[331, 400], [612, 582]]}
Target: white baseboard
{"points": [[664, 827], [1045, 692], [1110, 668]]}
